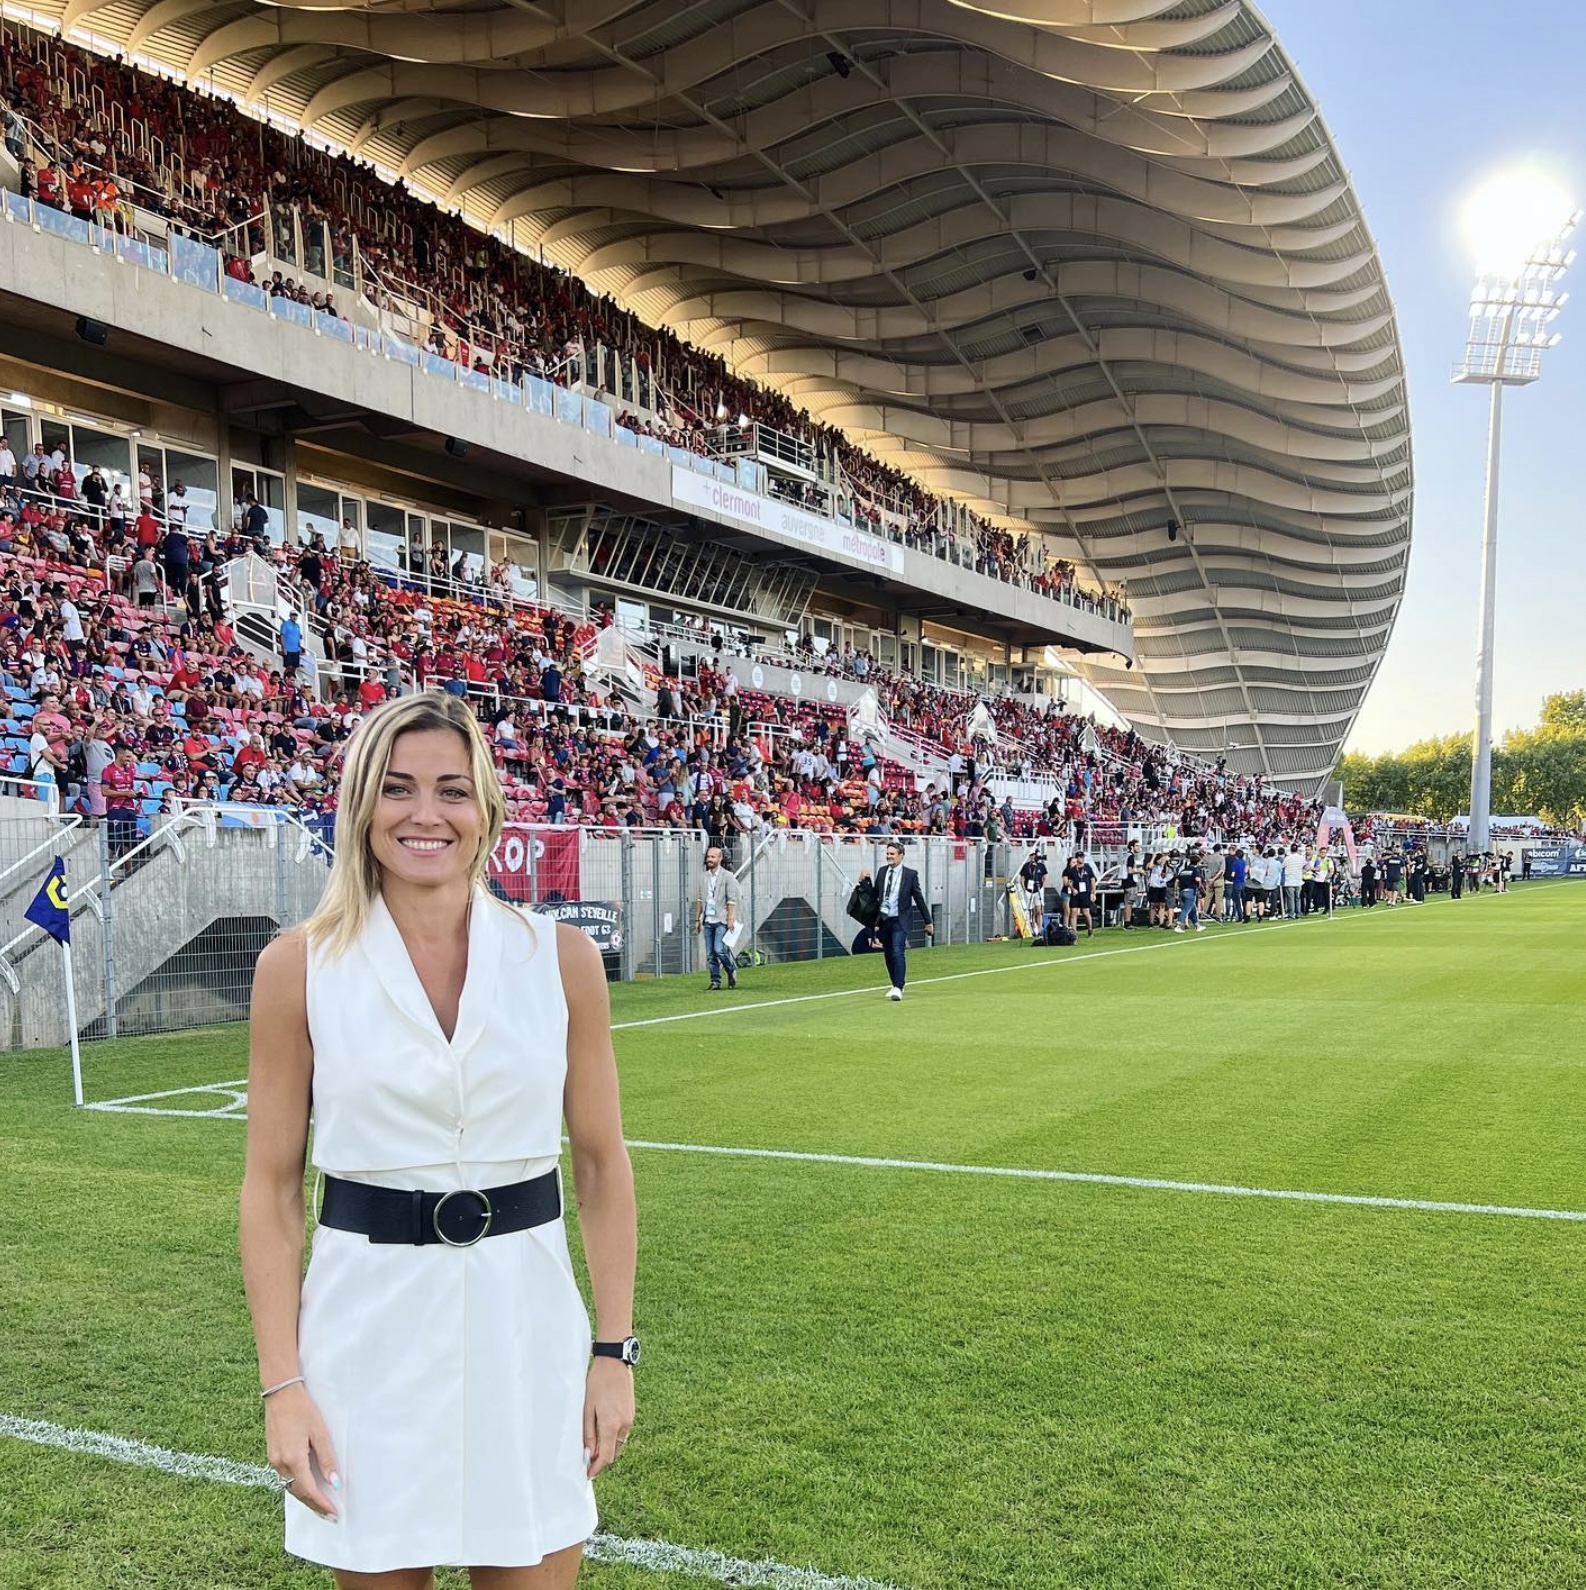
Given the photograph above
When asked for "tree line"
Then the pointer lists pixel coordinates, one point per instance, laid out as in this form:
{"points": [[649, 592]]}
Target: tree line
{"points": [[1540, 771]]}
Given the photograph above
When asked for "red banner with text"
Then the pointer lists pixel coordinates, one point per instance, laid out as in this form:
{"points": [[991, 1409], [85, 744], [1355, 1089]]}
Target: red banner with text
{"points": [[536, 865]]}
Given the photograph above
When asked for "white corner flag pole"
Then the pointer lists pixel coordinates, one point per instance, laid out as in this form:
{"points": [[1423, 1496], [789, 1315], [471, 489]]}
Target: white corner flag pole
{"points": [[71, 1022]]}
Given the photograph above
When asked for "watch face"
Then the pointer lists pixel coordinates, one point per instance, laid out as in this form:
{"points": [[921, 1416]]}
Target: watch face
{"points": [[630, 1350]]}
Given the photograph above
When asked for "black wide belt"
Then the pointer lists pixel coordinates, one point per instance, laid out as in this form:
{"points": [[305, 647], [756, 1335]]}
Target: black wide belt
{"points": [[459, 1218]]}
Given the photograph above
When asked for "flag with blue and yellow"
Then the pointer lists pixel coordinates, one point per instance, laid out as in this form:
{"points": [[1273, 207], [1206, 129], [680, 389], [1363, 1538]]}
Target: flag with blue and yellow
{"points": [[49, 909]]}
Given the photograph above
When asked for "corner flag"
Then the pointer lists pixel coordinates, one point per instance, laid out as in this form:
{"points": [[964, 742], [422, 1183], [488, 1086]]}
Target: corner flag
{"points": [[49, 909], [51, 912]]}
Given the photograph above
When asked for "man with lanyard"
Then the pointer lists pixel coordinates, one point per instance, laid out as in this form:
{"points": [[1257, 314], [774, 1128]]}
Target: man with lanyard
{"points": [[716, 914], [1032, 878], [1081, 893], [1323, 886]]}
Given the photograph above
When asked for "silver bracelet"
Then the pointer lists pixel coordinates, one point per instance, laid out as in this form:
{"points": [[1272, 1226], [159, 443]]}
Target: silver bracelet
{"points": [[296, 1380]]}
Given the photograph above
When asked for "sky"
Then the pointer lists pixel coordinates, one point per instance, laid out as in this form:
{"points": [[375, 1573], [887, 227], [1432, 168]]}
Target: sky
{"points": [[1424, 99]]}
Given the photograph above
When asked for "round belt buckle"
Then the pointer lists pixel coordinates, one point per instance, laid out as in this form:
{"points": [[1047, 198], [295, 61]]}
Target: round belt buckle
{"points": [[463, 1192]]}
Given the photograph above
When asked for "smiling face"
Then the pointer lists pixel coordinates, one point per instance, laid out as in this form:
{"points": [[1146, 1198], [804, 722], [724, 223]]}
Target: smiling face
{"points": [[427, 824]]}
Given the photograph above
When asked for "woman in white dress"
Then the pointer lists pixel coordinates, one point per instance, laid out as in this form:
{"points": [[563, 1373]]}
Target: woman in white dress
{"points": [[432, 1394]]}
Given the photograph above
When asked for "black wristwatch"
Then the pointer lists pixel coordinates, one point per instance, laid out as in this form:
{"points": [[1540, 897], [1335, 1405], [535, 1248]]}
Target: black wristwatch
{"points": [[626, 1351]]}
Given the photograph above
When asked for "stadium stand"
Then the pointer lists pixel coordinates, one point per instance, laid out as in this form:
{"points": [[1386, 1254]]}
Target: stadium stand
{"points": [[207, 718], [198, 165]]}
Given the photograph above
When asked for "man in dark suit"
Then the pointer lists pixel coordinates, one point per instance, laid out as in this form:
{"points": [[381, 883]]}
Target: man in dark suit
{"points": [[897, 897]]}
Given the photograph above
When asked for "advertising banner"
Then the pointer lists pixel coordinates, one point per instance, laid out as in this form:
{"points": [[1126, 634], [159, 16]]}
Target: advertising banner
{"points": [[533, 865], [782, 519], [1558, 859], [601, 920]]}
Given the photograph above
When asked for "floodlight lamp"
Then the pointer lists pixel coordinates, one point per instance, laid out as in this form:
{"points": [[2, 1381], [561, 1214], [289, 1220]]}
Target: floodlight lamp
{"points": [[1511, 218]]}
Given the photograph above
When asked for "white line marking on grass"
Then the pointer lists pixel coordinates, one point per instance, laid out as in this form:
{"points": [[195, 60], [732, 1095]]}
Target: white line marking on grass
{"points": [[1099, 1178], [658, 1556], [235, 1109], [958, 977], [137, 1103]]}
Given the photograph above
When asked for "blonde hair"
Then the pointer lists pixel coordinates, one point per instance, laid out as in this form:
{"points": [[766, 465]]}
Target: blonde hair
{"points": [[343, 911]]}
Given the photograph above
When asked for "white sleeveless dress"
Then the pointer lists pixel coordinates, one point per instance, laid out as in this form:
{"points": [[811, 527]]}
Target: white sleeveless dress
{"points": [[451, 1379]]}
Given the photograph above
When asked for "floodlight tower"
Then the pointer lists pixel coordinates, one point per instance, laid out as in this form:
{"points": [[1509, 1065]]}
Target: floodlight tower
{"points": [[1511, 310]]}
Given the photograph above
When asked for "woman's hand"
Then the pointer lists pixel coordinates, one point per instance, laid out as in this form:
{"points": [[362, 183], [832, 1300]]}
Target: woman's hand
{"points": [[298, 1448], [608, 1412]]}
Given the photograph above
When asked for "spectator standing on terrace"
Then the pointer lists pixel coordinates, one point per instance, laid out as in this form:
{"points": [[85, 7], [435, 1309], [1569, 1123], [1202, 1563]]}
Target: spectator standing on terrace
{"points": [[121, 801], [35, 468], [898, 896], [291, 645], [46, 766], [426, 1409], [716, 915], [100, 754], [176, 506]]}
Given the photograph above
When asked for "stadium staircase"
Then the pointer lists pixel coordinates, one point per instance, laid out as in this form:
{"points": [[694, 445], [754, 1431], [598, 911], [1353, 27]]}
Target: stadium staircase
{"points": [[183, 921]]}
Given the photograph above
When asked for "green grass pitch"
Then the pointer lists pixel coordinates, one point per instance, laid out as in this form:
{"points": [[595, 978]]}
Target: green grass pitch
{"points": [[935, 1380]]}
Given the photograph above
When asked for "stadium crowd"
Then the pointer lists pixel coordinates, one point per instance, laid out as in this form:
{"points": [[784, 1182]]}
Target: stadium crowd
{"points": [[207, 168], [146, 659]]}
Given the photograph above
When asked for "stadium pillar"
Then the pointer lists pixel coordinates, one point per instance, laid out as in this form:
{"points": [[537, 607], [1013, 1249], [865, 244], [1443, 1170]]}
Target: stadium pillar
{"points": [[225, 496], [1481, 756], [289, 492]]}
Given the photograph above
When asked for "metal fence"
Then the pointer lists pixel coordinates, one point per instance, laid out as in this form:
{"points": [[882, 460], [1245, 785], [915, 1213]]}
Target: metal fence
{"points": [[165, 935], [794, 889]]}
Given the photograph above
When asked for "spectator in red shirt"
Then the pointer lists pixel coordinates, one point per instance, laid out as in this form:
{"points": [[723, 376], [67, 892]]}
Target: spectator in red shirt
{"points": [[121, 801], [252, 754]]}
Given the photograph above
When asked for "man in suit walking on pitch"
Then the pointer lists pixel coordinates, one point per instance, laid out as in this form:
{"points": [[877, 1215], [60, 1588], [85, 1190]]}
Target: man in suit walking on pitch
{"points": [[898, 894]]}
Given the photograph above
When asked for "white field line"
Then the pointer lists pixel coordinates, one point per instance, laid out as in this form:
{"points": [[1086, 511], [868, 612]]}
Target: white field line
{"points": [[656, 1555], [236, 1111], [137, 1103], [1220, 933], [1099, 1178], [134, 1103]]}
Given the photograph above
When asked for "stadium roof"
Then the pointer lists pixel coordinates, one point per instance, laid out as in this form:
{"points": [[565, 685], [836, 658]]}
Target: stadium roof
{"points": [[1089, 265]]}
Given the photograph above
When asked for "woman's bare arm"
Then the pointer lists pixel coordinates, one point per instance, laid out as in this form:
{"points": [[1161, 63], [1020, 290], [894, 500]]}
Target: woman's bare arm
{"points": [[603, 1183], [280, 1076]]}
